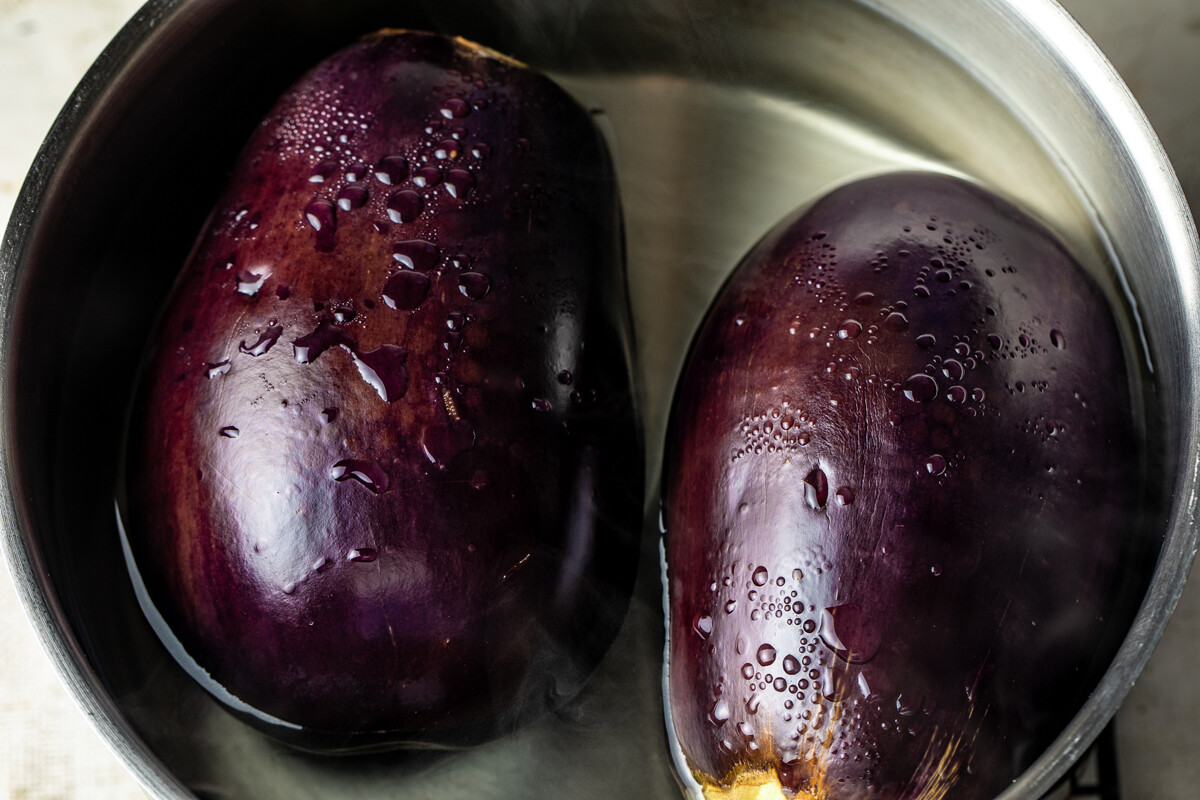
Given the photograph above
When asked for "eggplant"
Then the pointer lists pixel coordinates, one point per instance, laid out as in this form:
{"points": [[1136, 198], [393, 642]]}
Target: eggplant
{"points": [[901, 471], [383, 475]]}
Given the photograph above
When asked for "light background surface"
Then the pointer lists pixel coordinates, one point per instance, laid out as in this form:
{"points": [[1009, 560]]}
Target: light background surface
{"points": [[48, 751]]}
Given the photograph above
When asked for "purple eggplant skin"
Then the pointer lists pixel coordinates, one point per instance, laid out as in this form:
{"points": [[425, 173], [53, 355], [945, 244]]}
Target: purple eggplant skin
{"points": [[383, 479], [901, 468]]}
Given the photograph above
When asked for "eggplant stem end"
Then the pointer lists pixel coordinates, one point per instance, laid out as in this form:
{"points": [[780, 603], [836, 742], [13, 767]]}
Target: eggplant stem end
{"points": [[754, 784]]}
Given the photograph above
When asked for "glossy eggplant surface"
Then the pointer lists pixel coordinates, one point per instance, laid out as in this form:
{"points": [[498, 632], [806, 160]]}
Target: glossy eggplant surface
{"points": [[901, 474], [384, 475]]}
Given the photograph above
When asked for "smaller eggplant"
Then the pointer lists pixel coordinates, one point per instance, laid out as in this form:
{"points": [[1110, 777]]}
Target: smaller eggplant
{"points": [[901, 475], [384, 475]]}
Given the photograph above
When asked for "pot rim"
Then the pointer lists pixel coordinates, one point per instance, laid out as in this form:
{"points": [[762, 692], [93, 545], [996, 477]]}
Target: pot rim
{"points": [[1050, 30]]}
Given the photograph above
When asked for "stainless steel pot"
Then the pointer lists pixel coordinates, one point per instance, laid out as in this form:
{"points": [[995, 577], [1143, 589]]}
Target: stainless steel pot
{"points": [[723, 116]]}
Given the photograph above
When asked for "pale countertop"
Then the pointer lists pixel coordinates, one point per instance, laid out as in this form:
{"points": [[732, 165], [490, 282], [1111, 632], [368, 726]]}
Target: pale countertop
{"points": [[47, 748]]}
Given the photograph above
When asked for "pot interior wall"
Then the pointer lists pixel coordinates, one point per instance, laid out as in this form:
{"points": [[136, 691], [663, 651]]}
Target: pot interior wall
{"points": [[723, 117]]}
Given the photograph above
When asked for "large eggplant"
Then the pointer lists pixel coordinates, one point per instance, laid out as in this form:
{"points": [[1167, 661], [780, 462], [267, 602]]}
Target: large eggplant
{"points": [[902, 469], [383, 476]]}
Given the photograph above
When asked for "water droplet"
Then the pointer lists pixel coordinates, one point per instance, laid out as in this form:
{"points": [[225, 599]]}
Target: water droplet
{"points": [[248, 283], [904, 707], [844, 496], [391, 170], [404, 205], [565, 377], [541, 404], [479, 480], [849, 329], [809, 626], [320, 215], [1023, 340], [406, 290], [703, 626], [995, 341], [383, 369], [289, 588], [1057, 339], [791, 665], [920, 388], [446, 149], [308, 348], [352, 197], [417, 254], [935, 464], [935, 570], [459, 182], [427, 176], [474, 285], [322, 218], [760, 576], [977, 395], [828, 685], [719, 714], [323, 171], [846, 630], [218, 369], [344, 313], [896, 322], [957, 394], [798, 574], [455, 108], [443, 441], [864, 298], [921, 290], [926, 341], [748, 671], [765, 655], [816, 489], [953, 369], [730, 606], [367, 473], [362, 555], [265, 341], [230, 432], [480, 150]]}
